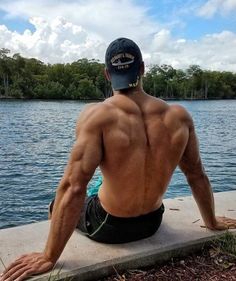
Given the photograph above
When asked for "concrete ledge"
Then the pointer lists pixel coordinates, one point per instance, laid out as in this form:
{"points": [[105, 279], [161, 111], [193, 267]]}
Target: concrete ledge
{"points": [[83, 259]]}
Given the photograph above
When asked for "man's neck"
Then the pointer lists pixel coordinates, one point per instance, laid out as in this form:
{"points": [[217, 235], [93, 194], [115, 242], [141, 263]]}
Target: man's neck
{"points": [[136, 91], [135, 94]]}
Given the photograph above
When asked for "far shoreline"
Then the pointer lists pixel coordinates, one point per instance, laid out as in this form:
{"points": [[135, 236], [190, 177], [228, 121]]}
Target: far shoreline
{"points": [[102, 99]]}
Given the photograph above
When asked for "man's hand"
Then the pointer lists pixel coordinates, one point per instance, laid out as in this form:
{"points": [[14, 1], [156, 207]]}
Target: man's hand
{"points": [[26, 266], [223, 223]]}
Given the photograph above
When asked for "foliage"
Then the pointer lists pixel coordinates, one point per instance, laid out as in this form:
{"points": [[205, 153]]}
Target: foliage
{"points": [[84, 79], [192, 83], [225, 243]]}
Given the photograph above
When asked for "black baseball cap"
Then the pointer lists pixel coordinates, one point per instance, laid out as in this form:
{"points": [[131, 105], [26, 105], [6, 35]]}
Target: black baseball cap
{"points": [[123, 60]]}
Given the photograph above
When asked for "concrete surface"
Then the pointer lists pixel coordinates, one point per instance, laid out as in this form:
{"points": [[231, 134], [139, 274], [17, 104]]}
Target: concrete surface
{"points": [[83, 259]]}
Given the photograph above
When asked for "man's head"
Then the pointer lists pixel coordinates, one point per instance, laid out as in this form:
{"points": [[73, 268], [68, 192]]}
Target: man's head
{"points": [[124, 64]]}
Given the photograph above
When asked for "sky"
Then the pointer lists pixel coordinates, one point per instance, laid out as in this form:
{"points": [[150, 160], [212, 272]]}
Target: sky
{"points": [[174, 32]]}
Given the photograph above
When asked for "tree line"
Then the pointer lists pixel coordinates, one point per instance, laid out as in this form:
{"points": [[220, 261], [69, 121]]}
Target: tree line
{"points": [[84, 79]]}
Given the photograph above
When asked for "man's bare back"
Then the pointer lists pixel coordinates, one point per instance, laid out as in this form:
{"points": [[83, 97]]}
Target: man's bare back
{"points": [[138, 141], [144, 139]]}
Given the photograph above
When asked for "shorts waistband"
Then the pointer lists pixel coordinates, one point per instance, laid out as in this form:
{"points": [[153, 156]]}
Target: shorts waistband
{"points": [[144, 217]]}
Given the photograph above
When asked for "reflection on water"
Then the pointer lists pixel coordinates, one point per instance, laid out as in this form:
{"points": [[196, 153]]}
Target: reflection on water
{"points": [[36, 138]]}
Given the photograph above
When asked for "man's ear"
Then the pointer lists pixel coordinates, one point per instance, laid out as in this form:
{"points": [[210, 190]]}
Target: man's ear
{"points": [[142, 68], [107, 75]]}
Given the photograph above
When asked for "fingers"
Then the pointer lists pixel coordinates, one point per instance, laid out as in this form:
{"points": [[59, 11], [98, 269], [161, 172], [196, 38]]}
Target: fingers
{"points": [[17, 263], [11, 271], [25, 275], [223, 223], [231, 223], [227, 219], [11, 266], [26, 266], [232, 226], [19, 274]]}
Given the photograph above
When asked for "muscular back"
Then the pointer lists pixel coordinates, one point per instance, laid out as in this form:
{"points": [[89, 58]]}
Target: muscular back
{"points": [[143, 142]]}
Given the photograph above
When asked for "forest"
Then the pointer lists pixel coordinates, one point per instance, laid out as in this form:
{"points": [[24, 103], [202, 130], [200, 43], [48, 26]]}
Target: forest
{"points": [[30, 78]]}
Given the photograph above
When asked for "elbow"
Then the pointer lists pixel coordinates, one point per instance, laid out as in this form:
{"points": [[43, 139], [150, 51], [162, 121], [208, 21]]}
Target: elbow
{"points": [[78, 184], [78, 187], [75, 180], [77, 190], [73, 185], [73, 192]]}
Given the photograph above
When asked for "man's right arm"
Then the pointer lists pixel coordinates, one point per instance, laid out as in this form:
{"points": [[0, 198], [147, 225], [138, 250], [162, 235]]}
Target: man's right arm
{"points": [[85, 156], [193, 169]]}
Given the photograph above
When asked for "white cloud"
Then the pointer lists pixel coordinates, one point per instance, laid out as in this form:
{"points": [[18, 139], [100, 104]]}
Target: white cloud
{"points": [[72, 30], [99, 22], [213, 51], [55, 41], [211, 7], [107, 19]]}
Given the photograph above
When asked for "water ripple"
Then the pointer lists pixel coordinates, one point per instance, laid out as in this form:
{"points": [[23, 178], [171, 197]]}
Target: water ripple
{"points": [[36, 139]]}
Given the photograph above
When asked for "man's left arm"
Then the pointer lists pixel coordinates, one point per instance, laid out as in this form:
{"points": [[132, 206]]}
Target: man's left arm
{"points": [[84, 159], [193, 169]]}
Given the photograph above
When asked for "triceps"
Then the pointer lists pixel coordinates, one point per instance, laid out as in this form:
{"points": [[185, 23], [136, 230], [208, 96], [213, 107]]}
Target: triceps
{"points": [[85, 157]]}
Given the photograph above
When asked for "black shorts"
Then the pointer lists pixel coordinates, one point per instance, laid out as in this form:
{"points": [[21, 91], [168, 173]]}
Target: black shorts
{"points": [[100, 226]]}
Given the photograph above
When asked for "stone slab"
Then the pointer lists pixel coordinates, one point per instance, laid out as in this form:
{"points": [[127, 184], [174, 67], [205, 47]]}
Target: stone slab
{"points": [[83, 259]]}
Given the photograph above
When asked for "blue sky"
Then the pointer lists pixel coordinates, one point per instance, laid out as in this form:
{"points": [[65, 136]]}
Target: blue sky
{"points": [[185, 20], [15, 23], [168, 31], [185, 23]]}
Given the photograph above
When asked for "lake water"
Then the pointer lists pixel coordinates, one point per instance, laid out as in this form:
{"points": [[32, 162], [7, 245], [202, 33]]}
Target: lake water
{"points": [[36, 138]]}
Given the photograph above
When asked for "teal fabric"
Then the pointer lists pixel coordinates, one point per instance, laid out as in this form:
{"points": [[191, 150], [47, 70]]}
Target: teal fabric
{"points": [[93, 189]]}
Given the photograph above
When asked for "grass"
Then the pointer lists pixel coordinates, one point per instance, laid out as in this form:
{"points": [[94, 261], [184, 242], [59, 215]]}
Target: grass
{"points": [[2, 263], [52, 276], [225, 244], [216, 261]]}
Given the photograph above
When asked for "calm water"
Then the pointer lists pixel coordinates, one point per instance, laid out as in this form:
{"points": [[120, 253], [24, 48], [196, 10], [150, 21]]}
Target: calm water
{"points": [[36, 137]]}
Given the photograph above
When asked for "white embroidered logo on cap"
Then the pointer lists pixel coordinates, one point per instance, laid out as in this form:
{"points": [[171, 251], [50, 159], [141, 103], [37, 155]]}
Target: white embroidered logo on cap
{"points": [[122, 60]]}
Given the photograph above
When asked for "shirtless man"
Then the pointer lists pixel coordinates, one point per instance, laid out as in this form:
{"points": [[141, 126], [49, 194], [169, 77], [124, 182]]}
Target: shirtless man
{"points": [[137, 141]]}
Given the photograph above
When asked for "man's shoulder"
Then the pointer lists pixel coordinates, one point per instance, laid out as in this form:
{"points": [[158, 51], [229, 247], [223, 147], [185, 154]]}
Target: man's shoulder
{"points": [[94, 114], [176, 110], [180, 112], [93, 108]]}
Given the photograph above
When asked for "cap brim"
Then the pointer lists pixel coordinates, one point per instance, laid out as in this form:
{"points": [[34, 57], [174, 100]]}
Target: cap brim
{"points": [[121, 81]]}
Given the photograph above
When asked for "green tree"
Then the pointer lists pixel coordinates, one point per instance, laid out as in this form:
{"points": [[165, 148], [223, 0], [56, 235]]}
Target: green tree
{"points": [[5, 71], [50, 90], [84, 79], [195, 82], [87, 90]]}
